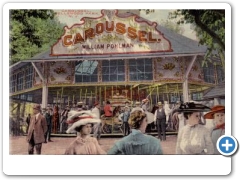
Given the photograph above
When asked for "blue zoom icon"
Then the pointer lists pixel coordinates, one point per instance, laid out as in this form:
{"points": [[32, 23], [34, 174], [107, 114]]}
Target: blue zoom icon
{"points": [[227, 145]]}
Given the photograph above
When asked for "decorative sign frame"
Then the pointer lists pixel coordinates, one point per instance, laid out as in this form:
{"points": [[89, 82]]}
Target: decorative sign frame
{"points": [[111, 34]]}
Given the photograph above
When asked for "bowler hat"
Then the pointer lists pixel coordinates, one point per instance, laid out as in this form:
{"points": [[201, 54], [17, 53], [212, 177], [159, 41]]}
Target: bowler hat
{"points": [[215, 109]]}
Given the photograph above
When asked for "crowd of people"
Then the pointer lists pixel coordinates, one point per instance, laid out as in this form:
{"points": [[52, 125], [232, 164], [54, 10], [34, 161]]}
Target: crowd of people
{"points": [[192, 138]]}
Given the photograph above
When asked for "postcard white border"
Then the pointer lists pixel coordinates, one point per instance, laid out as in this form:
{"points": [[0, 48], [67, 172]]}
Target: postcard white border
{"points": [[114, 165]]}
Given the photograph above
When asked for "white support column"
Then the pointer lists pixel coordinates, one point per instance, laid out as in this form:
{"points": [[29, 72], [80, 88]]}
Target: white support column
{"points": [[44, 96], [185, 83], [185, 91], [44, 87]]}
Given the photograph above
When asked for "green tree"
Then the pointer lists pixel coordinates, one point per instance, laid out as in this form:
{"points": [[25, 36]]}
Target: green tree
{"points": [[172, 25], [210, 28], [31, 32]]}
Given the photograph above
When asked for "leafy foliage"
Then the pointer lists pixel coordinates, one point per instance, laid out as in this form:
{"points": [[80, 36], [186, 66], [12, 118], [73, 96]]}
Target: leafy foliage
{"points": [[31, 32], [177, 28], [210, 28]]}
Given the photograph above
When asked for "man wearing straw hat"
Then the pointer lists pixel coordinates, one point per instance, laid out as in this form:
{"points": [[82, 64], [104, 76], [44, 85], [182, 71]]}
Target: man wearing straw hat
{"points": [[137, 107], [36, 131]]}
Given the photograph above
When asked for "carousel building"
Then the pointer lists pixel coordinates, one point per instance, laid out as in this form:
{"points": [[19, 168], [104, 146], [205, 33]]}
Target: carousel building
{"points": [[115, 57]]}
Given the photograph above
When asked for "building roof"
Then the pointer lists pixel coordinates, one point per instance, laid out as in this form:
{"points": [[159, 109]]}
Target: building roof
{"points": [[181, 45], [217, 91]]}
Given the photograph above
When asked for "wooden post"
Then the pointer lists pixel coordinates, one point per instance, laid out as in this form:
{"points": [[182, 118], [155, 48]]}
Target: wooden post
{"points": [[178, 95], [131, 96], [86, 96], [73, 100], [167, 92], [105, 93], [61, 98], [112, 91], [57, 97], [80, 95], [138, 94], [150, 97], [91, 98], [100, 95]]}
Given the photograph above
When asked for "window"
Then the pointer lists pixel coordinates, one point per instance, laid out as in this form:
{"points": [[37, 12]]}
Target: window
{"points": [[220, 74], [29, 77], [197, 96], [113, 70], [208, 72], [140, 69], [20, 77], [13, 83], [29, 97], [86, 71]]}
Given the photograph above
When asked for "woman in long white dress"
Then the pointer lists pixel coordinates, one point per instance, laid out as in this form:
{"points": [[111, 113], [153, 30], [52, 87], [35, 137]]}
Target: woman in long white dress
{"points": [[194, 138]]}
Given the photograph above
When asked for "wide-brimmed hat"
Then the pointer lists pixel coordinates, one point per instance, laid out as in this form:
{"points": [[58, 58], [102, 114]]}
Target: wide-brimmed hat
{"points": [[145, 100], [192, 107], [37, 107], [215, 109], [159, 103], [77, 119]]}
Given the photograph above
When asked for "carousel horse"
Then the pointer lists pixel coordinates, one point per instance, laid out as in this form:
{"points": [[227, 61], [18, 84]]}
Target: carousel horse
{"points": [[55, 121]]}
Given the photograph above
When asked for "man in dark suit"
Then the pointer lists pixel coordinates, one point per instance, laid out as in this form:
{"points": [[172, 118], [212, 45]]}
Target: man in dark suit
{"points": [[48, 117], [160, 119], [36, 131]]}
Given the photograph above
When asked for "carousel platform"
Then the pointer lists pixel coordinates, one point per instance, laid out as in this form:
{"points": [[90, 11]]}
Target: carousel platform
{"points": [[109, 135]]}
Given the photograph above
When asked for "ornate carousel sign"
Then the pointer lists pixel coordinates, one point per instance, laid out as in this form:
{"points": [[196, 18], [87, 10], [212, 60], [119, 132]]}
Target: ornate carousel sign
{"points": [[111, 34]]}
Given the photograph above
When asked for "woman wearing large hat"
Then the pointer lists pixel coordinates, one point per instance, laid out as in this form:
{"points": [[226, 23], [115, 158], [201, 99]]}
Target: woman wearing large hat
{"points": [[82, 122], [217, 113], [193, 138]]}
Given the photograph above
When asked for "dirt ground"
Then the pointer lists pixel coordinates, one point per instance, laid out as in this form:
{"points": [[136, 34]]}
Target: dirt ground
{"points": [[19, 146]]}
